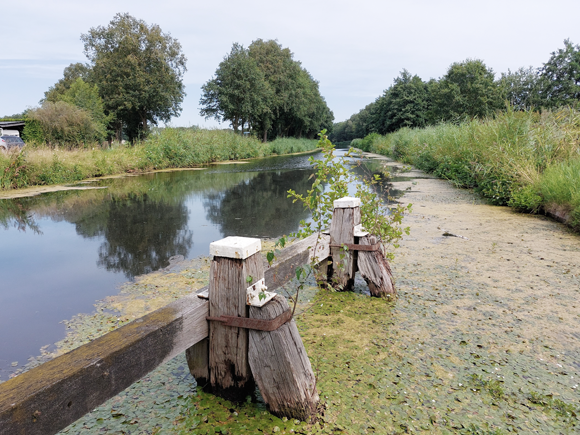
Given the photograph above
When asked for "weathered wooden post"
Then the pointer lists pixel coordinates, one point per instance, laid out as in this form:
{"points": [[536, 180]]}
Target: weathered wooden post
{"points": [[280, 364], [236, 265], [353, 248], [273, 348], [344, 219], [374, 267]]}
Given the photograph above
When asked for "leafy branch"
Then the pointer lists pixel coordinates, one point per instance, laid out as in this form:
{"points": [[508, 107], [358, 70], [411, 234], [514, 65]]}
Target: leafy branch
{"points": [[332, 178]]}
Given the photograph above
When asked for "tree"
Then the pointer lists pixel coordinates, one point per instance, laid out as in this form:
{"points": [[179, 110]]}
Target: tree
{"points": [[405, 104], [467, 90], [138, 70], [238, 93], [266, 88], [561, 76], [296, 106], [522, 88], [86, 96], [71, 73]]}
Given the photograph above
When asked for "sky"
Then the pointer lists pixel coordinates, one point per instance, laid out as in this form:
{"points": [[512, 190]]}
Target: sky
{"points": [[354, 49]]}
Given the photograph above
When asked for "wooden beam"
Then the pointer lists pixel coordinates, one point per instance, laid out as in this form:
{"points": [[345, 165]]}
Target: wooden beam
{"points": [[229, 371], [344, 219], [375, 269], [296, 255], [49, 397], [281, 366]]}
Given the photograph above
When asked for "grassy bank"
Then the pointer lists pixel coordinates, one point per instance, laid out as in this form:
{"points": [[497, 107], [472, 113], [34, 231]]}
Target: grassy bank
{"points": [[165, 148], [526, 160]]}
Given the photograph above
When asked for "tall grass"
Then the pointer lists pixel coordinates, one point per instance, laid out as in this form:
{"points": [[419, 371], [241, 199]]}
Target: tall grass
{"points": [[165, 148], [514, 158], [289, 145]]}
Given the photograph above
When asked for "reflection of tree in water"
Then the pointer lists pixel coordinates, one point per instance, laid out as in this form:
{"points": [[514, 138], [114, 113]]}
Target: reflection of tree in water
{"points": [[140, 235], [367, 170], [260, 206], [16, 213]]}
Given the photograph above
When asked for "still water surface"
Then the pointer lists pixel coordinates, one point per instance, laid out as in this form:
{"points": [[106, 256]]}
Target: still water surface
{"points": [[61, 251]]}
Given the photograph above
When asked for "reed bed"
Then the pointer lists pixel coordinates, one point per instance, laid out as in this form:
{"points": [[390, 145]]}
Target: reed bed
{"points": [[165, 148], [526, 160]]}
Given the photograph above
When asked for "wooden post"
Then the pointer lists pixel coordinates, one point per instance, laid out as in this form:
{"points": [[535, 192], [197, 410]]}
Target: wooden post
{"points": [[198, 362], [345, 217], [281, 366], [375, 269], [237, 264]]}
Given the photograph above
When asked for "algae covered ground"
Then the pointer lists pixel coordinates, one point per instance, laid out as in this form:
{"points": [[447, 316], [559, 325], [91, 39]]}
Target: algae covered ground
{"points": [[484, 337]]}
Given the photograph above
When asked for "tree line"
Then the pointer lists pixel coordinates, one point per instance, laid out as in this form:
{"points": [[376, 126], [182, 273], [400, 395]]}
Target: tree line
{"points": [[134, 79], [262, 89], [468, 90]]}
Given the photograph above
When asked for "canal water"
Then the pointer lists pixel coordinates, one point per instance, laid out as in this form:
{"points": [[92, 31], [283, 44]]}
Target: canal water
{"points": [[62, 251]]}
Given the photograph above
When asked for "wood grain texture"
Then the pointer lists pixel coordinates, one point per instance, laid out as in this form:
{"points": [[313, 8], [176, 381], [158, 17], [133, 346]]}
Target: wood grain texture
{"points": [[48, 398], [296, 255], [375, 269], [342, 231], [281, 366], [197, 357], [229, 370]]}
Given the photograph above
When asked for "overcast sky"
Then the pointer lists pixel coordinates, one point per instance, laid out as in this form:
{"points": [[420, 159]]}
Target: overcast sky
{"points": [[353, 48]]}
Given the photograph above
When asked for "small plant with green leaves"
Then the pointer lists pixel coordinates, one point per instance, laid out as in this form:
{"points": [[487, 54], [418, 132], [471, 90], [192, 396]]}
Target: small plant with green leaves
{"points": [[383, 222], [378, 219]]}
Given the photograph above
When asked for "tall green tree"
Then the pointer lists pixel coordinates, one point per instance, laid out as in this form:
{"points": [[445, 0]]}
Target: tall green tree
{"points": [[468, 90], [405, 104], [71, 73], [522, 88], [281, 72], [561, 76], [138, 70], [238, 92], [86, 96], [265, 87]]}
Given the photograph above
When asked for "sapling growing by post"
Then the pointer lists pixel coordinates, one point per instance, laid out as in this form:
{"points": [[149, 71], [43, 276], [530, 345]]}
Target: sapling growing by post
{"points": [[331, 181]]}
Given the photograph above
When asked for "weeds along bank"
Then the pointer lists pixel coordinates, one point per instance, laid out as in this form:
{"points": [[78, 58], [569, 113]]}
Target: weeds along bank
{"points": [[526, 160], [165, 148]]}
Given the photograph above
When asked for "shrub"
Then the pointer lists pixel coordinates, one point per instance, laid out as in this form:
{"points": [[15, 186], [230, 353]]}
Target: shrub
{"points": [[65, 124]]}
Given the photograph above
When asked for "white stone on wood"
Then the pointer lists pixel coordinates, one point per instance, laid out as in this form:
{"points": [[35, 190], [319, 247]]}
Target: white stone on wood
{"points": [[253, 294], [347, 202], [359, 231], [235, 247]]}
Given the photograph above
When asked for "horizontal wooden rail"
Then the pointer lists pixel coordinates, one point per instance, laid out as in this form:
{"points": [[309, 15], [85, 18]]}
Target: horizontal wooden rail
{"points": [[49, 397]]}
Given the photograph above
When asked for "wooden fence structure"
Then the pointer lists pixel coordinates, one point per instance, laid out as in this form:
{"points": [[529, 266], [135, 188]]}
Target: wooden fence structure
{"points": [[232, 340]]}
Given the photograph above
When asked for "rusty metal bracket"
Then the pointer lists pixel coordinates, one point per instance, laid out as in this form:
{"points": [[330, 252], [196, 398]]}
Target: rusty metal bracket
{"points": [[355, 247], [257, 324]]}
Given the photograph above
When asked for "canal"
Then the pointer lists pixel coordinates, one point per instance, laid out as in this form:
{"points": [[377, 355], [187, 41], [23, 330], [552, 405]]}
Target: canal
{"points": [[62, 251]]}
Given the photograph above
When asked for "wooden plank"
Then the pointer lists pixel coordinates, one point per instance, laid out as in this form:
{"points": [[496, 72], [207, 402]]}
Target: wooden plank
{"points": [[197, 357], [49, 397], [343, 262], [375, 269], [229, 370], [281, 366], [294, 256]]}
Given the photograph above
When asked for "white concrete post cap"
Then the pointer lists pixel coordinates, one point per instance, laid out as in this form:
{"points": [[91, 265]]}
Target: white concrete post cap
{"points": [[235, 247], [347, 202]]}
